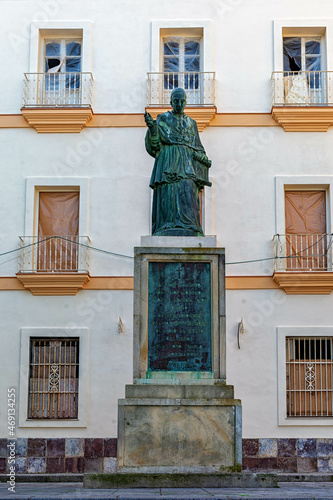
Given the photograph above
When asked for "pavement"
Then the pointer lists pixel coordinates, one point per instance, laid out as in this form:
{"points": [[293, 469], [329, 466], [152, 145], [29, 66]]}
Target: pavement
{"points": [[75, 491]]}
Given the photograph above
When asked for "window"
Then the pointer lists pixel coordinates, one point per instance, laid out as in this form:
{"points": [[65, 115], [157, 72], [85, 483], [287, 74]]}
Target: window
{"points": [[305, 213], [59, 76], [53, 378], [181, 56], [305, 375], [58, 215], [54, 255], [304, 82], [309, 376], [302, 53], [62, 68], [181, 62]]}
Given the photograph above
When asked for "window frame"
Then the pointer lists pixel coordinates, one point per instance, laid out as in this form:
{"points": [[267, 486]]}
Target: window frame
{"points": [[52, 397], [59, 29], [301, 28], [35, 332], [301, 183], [160, 28], [296, 331], [304, 39], [36, 184]]}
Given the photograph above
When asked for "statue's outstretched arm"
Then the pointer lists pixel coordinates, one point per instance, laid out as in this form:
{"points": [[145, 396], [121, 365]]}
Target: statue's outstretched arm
{"points": [[153, 142]]}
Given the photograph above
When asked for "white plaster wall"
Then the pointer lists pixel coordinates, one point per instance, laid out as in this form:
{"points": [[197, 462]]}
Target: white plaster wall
{"points": [[252, 369], [245, 163], [109, 352], [242, 46]]}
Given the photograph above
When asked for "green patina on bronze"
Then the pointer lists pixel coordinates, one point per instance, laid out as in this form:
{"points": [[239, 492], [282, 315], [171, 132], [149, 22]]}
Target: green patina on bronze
{"points": [[179, 316], [180, 170]]}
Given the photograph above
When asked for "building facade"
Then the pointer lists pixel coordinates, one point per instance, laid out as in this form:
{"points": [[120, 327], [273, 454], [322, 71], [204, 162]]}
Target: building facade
{"points": [[77, 78]]}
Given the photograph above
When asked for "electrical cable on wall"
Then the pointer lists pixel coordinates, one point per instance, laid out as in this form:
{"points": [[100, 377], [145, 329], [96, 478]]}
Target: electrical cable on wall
{"points": [[107, 252]]}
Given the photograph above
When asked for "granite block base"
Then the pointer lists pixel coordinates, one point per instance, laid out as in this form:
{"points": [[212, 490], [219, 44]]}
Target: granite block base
{"points": [[179, 430]]}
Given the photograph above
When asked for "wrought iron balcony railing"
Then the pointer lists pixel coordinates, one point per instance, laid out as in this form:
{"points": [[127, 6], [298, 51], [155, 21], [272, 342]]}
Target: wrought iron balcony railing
{"points": [[57, 90], [303, 252], [62, 254], [199, 88], [302, 88]]}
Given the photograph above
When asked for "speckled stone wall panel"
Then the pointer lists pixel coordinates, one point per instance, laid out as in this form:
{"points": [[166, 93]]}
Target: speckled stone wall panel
{"points": [[325, 465], [3, 448], [55, 447], [286, 447], [94, 448], [250, 447], [55, 465], [74, 465], [74, 447], [21, 465], [110, 465], [110, 447], [287, 464], [306, 464], [93, 465], [325, 448], [21, 447], [306, 448], [36, 447], [267, 447], [36, 465]]}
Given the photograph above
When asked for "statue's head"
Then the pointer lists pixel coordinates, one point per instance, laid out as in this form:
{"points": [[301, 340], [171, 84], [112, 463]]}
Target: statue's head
{"points": [[178, 100]]}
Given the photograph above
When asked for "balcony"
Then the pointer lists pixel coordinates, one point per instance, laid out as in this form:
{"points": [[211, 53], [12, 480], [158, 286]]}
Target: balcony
{"points": [[53, 265], [199, 88], [303, 263], [57, 102], [303, 101]]}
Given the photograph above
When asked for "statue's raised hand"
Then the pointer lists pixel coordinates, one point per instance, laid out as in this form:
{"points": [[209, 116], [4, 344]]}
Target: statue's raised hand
{"points": [[149, 120]]}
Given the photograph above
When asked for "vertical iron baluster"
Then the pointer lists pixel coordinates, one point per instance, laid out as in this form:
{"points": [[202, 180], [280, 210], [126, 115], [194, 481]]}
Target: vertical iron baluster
{"points": [[48, 393], [69, 378]]}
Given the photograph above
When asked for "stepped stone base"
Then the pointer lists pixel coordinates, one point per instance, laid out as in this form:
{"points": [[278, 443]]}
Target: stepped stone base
{"points": [[232, 480], [179, 429]]}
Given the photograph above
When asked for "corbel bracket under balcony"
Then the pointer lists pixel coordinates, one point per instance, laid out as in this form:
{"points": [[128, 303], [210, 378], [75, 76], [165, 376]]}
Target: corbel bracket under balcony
{"points": [[303, 118], [57, 120], [305, 283], [53, 283]]}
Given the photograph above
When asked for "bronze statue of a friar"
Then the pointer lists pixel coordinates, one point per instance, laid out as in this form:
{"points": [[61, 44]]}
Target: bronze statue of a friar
{"points": [[180, 171]]}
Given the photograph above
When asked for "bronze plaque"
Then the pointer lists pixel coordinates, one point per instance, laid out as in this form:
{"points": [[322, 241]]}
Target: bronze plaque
{"points": [[179, 316]]}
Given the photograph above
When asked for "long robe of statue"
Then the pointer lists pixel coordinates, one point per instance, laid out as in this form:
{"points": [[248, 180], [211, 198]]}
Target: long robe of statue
{"points": [[174, 142]]}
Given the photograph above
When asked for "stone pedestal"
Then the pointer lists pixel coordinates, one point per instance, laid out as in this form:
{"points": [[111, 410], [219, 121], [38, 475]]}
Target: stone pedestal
{"points": [[179, 415]]}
